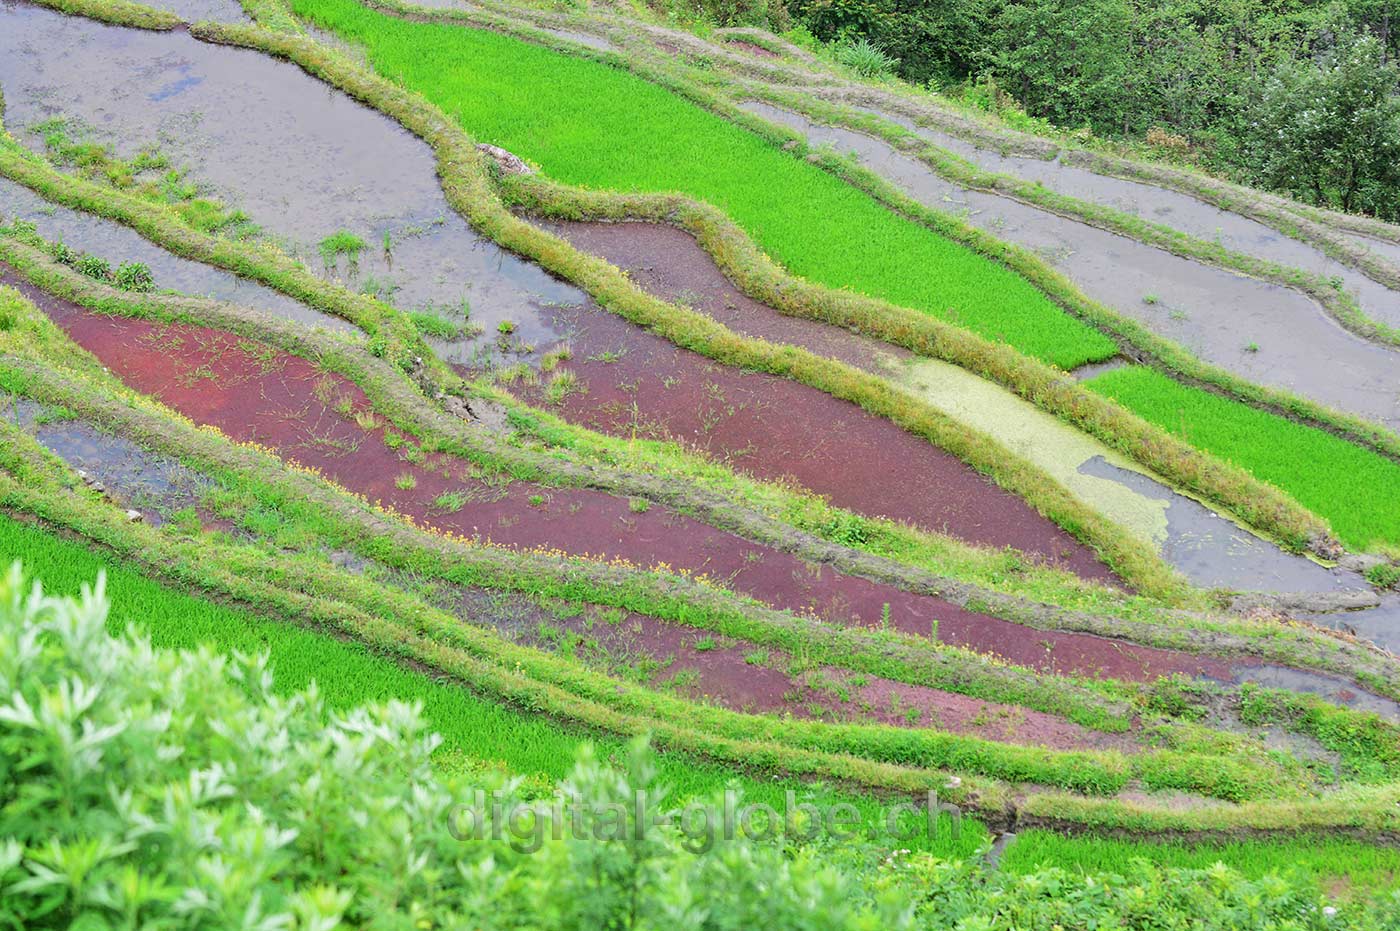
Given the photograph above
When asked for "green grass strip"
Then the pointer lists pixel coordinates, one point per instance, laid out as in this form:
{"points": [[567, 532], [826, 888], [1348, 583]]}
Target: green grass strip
{"points": [[348, 674], [1356, 490], [585, 123], [1339, 865]]}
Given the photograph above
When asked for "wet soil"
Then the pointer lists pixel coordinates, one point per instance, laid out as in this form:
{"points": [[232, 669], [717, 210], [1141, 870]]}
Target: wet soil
{"points": [[117, 243], [752, 48], [157, 486], [302, 160], [256, 394], [1264, 332], [668, 262]]}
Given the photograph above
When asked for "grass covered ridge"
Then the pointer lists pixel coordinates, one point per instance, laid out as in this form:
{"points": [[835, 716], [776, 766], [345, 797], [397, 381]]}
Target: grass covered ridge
{"points": [[587, 124], [1356, 490]]}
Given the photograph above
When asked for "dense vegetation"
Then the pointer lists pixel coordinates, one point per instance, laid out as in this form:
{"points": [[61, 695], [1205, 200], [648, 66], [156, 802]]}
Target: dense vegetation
{"points": [[129, 800], [1301, 98]]}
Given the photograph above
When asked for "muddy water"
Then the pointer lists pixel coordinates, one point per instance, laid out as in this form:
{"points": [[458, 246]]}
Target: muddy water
{"points": [[1209, 549], [287, 404], [1390, 251], [1177, 210], [1264, 332], [195, 11], [637, 385], [304, 161], [117, 244], [743, 677], [157, 486]]}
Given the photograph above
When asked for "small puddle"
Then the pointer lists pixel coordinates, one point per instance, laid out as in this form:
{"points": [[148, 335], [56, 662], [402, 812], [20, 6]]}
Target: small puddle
{"points": [[1331, 688], [117, 243], [304, 161], [158, 486], [255, 394], [1264, 332], [1211, 550]]}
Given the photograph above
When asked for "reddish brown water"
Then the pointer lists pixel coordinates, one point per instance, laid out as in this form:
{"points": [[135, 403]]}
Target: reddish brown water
{"points": [[636, 384], [254, 393], [740, 676]]}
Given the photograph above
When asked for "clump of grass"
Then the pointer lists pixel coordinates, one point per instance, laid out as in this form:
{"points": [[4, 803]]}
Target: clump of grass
{"points": [[505, 327], [866, 58], [561, 385], [430, 324], [341, 242], [1384, 575], [406, 481], [638, 505], [450, 502]]}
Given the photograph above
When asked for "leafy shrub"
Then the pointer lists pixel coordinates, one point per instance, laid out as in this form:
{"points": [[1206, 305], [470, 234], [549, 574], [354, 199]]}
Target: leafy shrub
{"points": [[63, 254], [145, 788], [866, 58], [94, 267], [134, 276]]}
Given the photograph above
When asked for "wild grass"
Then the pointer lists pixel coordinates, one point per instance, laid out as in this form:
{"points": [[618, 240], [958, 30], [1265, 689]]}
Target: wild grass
{"points": [[591, 125], [1355, 489]]}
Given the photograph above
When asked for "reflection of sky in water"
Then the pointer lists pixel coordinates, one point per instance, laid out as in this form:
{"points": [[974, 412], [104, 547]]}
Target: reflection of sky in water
{"points": [[116, 243], [302, 160], [1211, 311]]}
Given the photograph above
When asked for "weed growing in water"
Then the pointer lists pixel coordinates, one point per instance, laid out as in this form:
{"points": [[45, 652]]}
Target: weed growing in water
{"points": [[341, 242]]}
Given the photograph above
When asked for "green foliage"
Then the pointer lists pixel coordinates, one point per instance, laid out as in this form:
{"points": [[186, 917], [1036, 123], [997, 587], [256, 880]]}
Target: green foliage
{"points": [[1305, 462], [1384, 575], [141, 803], [181, 788], [94, 267], [866, 58], [341, 242], [589, 124], [134, 276], [1328, 130]]}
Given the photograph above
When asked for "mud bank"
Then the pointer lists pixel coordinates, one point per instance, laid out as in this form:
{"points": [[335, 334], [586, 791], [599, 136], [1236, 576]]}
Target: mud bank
{"points": [[255, 394], [116, 243], [304, 161], [1211, 550], [1264, 332]]}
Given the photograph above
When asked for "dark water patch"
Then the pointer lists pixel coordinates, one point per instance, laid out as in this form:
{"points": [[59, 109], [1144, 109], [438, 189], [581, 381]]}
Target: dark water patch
{"points": [[255, 394], [1379, 624], [1095, 369], [1214, 552], [157, 486], [117, 243], [302, 160], [1264, 332]]}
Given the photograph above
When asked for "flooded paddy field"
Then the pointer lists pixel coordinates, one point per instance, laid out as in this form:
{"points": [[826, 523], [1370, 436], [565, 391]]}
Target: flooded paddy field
{"points": [[627, 392], [345, 188], [1264, 332]]}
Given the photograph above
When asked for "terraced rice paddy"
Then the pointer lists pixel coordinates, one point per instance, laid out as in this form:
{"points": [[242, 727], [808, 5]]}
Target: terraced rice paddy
{"points": [[684, 428]]}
